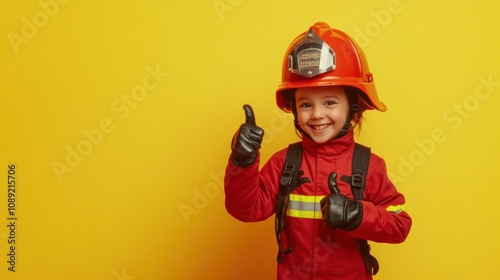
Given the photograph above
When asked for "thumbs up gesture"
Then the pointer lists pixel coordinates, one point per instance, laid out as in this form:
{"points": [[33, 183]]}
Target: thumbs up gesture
{"points": [[246, 142], [338, 210]]}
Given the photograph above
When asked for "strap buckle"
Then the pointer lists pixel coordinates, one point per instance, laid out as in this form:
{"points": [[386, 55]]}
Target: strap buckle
{"points": [[357, 179], [287, 175]]}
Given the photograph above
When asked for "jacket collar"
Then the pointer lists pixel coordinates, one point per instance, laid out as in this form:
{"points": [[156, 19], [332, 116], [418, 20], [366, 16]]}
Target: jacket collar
{"points": [[332, 147]]}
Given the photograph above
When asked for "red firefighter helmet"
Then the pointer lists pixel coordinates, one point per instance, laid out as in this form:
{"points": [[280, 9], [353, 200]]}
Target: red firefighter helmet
{"points": [[324, 56]]}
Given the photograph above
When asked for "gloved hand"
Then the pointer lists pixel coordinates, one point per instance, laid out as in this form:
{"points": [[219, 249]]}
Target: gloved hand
{"points": [[246, 142], [338, 210]]}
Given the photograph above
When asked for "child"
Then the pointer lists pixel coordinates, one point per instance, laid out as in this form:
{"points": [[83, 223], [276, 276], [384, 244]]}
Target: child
{"points": [[327, 85]]}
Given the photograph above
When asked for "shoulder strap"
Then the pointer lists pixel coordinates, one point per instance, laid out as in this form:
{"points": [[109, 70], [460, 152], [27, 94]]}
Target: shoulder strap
{"points": [[288, 177], [360, 161]]}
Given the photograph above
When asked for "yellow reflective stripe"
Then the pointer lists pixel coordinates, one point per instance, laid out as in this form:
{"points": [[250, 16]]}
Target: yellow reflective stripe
{"points": [[305, 198], [304, 206], [304, 214], [396, 208]]}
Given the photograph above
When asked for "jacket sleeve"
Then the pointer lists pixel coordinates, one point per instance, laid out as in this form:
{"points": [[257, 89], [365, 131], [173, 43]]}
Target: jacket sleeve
{"points": [[384, 212], [250, 194]]}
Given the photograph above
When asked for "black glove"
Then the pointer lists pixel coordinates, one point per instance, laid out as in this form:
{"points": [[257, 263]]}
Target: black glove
{"points": [[338, 210], [246, 142]]}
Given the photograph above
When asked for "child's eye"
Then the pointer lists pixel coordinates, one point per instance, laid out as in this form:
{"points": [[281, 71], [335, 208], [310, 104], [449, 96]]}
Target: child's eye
{"points": [[329, 103], [304, 105]]}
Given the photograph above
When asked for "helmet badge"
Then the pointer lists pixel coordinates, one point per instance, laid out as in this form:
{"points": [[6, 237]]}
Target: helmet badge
{"points": [[312, 56]]}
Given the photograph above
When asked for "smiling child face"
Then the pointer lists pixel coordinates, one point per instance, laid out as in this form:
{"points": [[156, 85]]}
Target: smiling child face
{"points": [[321, 111]]}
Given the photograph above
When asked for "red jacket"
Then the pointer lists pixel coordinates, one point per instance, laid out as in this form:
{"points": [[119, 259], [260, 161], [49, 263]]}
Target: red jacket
{"points": [[319, 252]]}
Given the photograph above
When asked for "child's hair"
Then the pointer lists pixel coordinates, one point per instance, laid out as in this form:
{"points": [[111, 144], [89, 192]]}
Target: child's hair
{"points": [[357, 106]]}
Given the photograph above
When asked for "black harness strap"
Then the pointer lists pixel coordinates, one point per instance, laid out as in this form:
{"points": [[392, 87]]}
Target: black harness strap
{"points": [[288, 183], [360, 161]]}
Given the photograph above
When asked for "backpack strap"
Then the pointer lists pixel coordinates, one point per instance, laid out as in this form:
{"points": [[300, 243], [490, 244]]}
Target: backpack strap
{"points": [[360, 161], [288, 183]]}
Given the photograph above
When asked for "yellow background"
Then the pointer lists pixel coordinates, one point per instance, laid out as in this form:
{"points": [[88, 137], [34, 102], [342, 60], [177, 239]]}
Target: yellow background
{"points": [[148, 95]]}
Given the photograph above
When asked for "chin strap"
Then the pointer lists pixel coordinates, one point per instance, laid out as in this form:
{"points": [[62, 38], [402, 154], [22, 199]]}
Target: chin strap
{"points": [[345, 128], [353, 108]]}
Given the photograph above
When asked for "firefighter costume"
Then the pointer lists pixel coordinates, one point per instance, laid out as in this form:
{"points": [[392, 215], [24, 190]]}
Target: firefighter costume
{"points": [[323, 223]]}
